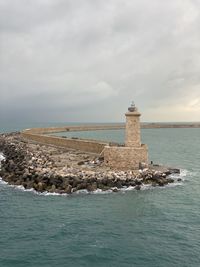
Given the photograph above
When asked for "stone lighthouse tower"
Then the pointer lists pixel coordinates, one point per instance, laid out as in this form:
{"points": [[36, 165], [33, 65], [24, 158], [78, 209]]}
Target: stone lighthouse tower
{"points": [[132, 127], [133, 154]]}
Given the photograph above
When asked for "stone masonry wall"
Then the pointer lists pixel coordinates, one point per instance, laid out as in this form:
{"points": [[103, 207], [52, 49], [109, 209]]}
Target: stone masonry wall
{"points": [[125, 158], [71, 128], [83, 145]]}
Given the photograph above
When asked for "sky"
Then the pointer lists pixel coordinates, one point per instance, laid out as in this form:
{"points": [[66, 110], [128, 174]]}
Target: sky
{"points": [[86, 60]]}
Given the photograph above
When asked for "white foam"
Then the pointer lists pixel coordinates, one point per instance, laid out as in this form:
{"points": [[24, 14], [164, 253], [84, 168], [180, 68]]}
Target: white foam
{"points": [[2, 181], [98, 191], [183, 174], [1, 157], [45, 193], [129, 188], [174, 184], [50, 194], [20, 187], [147, 187]]}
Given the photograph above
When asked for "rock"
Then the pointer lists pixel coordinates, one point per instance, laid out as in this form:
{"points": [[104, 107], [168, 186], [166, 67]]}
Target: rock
{"points": [[137, 182], [17, 182], [137, 187], [111, 183], [131, 183], [81, 163], [92, 187], [102, 186], [24, 184], [74, 190], [29, 184], [81, 186], [167, 173], [115, 190], [69, 189], [35, 186], [53, 188], [40, 186], [105, 181], [174, 170], [170, 180], [162, 182], [105, 188], [76, 181], [118, 184]]}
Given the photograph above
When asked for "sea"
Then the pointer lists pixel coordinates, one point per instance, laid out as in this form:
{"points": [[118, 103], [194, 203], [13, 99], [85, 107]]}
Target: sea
{"points": [[154, 227]]}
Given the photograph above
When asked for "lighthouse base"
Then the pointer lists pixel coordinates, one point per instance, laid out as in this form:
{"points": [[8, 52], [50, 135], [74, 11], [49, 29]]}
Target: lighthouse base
{"points": [[125, 158]]}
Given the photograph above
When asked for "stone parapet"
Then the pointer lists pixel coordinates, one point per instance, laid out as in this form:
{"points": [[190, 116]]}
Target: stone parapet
{"points": [[75, 128], [125, 158], [79, 144]]}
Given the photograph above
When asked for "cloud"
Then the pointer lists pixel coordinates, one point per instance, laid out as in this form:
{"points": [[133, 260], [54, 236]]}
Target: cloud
{"points": [[57, 54]]}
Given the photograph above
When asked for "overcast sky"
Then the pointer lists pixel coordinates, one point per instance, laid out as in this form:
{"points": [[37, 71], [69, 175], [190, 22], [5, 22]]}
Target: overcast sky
{"points": [[86, 60]]}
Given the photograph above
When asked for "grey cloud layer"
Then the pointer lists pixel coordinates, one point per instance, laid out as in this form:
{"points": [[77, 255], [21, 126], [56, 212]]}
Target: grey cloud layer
{"points": [[56, 55]]}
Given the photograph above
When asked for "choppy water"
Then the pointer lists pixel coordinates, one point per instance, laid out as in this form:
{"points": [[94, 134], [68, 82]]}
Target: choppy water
{"points": [[156, 227]]}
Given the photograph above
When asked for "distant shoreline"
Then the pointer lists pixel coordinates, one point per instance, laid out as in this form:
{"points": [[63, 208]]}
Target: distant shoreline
{"points": [[152, 125]]}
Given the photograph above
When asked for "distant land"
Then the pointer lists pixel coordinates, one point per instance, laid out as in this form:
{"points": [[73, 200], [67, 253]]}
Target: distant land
{"points": [[170, 125], [108, 126]]}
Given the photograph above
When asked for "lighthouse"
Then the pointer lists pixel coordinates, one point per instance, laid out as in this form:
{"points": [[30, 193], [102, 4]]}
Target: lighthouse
{"points": [[132, 134], [132, 154]]}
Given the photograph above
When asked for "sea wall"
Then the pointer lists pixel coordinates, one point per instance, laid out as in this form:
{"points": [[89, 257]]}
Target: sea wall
{"points": [[79, 144], [74, 128], [110, 127]]}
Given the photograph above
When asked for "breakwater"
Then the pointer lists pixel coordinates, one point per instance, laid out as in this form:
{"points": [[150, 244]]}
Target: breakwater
{"points": [[40, 135], [59, 170], [116, 126]]}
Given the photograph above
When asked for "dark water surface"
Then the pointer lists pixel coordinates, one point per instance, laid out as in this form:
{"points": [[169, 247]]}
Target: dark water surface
{"points": [[154, 227]]}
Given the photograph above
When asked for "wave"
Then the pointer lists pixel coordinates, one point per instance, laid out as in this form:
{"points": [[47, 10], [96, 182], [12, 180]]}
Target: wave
{"points": [[182, 175]]}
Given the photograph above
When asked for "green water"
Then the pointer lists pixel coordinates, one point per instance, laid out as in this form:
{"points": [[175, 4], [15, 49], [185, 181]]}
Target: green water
{"points": [[155, 227]]}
